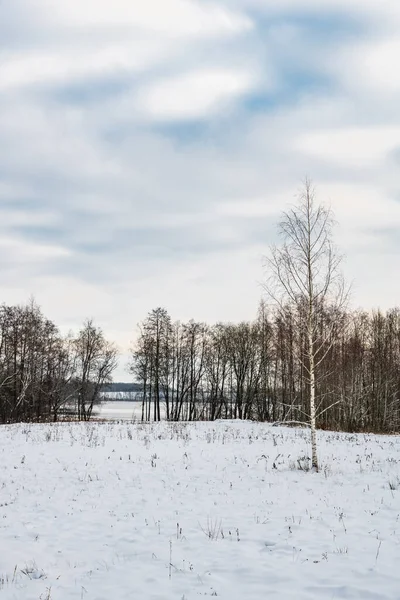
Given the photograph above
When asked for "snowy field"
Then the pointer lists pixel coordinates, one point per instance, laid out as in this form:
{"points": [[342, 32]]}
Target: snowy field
{"points": [[108, 511]]}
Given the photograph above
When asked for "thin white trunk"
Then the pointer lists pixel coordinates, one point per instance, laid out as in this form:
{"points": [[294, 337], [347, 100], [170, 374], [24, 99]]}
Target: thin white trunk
{"points": [[314, 454], [311, 341]]}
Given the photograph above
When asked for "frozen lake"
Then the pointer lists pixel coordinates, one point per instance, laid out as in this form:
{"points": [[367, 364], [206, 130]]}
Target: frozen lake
{"points": [[121, 410]]}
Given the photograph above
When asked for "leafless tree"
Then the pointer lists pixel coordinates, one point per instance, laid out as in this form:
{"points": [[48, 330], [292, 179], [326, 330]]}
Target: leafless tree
{"points": [[96, 359], [151, 362], [304, 274]]}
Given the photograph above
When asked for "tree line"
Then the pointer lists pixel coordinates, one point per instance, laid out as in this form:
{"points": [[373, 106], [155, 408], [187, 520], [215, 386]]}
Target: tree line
{"points": [[43, 374], [253, 370]]}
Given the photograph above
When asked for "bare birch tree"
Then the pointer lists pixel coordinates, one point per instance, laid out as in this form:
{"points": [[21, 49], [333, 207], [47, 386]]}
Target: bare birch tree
{"points": [[304, 272]]}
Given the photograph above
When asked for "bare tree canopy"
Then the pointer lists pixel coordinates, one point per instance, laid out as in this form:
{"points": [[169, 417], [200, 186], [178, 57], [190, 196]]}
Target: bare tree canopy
{"points": [[96, 359], [42, 373], [306, 266]]}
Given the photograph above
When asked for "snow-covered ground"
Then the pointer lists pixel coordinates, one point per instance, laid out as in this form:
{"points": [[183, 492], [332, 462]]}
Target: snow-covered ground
{"points": [[108, 511]]}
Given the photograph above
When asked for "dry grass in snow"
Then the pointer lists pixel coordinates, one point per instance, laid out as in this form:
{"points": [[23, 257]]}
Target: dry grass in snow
{"points": [[179, 511]]}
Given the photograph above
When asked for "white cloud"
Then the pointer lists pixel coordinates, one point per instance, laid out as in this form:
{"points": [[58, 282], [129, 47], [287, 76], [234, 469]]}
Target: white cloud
{"points": [[388, 12], [25, 218], [375, 65], [350, 147], [193, 95], [362, 207], [94, 38], [21, 251], [70, 64], [253, 207], [170, 17]]}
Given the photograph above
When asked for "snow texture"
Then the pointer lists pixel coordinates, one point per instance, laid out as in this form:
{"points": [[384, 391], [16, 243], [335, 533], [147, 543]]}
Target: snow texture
{"points": [[121, 511]]}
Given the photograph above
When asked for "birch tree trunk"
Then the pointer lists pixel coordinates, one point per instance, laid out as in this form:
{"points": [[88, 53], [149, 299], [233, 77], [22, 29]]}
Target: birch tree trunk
{"points": [[313, 424]]}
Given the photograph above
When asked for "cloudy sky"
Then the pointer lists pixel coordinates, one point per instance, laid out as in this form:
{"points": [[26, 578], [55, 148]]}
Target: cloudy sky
{"points": [[147, 149]]}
